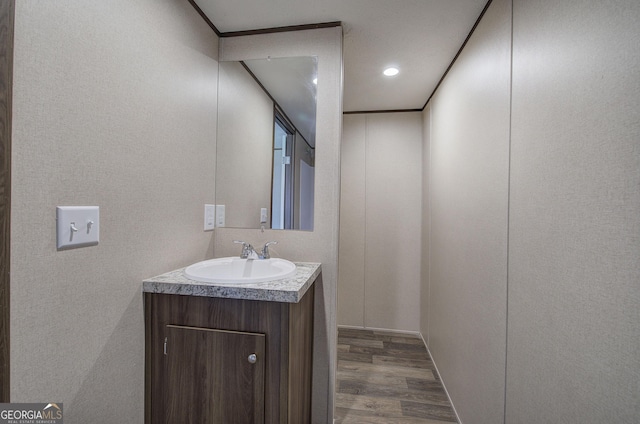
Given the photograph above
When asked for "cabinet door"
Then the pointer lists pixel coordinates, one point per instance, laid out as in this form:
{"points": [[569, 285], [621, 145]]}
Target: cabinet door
{"points": [[211, 377]]}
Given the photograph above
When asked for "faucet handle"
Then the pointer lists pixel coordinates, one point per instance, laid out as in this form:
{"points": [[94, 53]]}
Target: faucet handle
{"points": [[265, 249], [246, 249]]}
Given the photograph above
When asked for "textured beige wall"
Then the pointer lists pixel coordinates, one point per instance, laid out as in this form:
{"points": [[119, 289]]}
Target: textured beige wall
{"points": [[114, 105], [321, 244], [469, 201], [426, 223], [574, 240], [245, 147], [351, 282], [393, 220], [380, 221], [573, 225]]}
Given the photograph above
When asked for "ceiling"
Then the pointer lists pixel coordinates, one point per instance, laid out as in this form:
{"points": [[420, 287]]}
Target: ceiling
{"points": [[420, 37]]}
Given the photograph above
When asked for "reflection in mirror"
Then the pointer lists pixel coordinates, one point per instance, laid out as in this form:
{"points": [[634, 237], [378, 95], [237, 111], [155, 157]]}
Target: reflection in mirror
{"points": [[266, 142]]}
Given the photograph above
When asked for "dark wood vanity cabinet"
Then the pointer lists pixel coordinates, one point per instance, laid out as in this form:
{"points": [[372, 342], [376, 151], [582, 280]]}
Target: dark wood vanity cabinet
{"points": [[227, 361], [216, 371]]}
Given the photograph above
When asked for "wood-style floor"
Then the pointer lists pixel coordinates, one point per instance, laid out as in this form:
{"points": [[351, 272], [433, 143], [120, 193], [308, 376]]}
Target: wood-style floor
{"points": [[387, 378]]}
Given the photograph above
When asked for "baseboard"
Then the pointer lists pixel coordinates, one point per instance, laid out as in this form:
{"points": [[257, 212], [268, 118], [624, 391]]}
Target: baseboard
{"points": [[385, 330]]}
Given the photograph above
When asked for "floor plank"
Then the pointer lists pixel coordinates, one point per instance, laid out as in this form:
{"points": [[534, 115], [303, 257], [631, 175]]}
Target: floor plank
{"points": [[370, 368], [410, 363], [374, 406], [422, 410], [358, 417], [386, 377], [380, 378]]}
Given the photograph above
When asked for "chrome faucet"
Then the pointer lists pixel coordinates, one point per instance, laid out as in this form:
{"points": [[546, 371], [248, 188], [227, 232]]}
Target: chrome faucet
{"points": [[248, 252], [265, 250]]}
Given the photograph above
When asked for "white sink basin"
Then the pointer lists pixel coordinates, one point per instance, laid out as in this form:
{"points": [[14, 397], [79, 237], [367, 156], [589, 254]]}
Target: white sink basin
{"points": [[237, 271]]}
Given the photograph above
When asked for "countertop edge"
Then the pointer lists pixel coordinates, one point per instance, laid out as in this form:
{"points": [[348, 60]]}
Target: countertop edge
{"points": [[289, 290]]}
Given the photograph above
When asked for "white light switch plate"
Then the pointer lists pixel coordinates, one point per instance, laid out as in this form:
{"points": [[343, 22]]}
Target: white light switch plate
{"points": [[77, 226], [220, 216], [209, 217], [263, 215]]}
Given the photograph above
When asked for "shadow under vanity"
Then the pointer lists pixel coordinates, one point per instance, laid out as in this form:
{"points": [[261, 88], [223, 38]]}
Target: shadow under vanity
{"points": [[229, 353]]}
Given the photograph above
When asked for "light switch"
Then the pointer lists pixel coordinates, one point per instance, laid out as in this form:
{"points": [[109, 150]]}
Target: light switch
{"points": [[209, 217], [219, 216], [263, 215], [77, 226]]}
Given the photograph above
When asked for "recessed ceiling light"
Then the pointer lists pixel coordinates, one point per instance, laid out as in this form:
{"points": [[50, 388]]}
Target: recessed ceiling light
{"points": [[391, 71], [315, 81]]}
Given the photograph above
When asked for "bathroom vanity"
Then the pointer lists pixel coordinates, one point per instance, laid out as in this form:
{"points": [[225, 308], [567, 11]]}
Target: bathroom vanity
{"points": [[229, 353]]}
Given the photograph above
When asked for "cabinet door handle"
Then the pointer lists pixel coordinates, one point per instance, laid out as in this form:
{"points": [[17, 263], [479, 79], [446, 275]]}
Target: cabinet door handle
{"points": [[253, 358]]}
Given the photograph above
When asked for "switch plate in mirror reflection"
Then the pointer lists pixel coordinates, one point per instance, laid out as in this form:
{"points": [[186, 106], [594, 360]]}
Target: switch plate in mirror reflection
{"points": [[220, 215], [266, 142], [209, 217], [263, 215]]}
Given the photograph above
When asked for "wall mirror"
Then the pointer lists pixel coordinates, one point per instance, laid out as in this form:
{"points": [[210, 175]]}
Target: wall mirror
{"points": [[265, 170]]}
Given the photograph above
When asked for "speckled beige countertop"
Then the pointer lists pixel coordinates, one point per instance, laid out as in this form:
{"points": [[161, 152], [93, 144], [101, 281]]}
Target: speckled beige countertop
{"points": [[288, 290]]}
